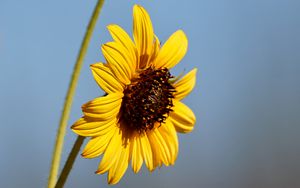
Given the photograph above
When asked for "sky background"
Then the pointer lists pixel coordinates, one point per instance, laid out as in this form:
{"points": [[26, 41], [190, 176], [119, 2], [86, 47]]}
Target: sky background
{"points": [[247, 97]]}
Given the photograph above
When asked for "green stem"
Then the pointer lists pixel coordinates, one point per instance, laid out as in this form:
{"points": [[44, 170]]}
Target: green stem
{"points": [[69, 163], [69, 98]]}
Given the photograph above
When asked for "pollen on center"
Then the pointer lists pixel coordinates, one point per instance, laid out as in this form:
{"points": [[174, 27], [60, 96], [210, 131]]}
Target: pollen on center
{"points": [[147, 100]]}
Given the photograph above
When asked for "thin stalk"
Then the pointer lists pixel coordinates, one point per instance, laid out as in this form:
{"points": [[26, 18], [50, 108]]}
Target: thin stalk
{"points": [[69, 163], [69, 98]]}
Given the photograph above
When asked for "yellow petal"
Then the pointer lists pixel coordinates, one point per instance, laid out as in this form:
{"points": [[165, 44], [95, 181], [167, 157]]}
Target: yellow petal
{"points": [[162, 153], [111, 153], [182, 117], [157, 161], [120, 36], [119, 168], [136, 155], [143, 34], [184, 86], [119, 61], [103, 108], [106, 79], [169, 133], [172, 51], [92, 127], [145, 149], [97, 145], [155, 49]]}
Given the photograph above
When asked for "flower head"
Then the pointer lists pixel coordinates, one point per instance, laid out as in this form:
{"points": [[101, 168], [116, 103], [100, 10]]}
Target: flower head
{"points": [[138, 119]]}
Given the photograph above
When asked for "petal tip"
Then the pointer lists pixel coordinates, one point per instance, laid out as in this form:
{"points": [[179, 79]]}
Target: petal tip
{"points": [[185, 131], [95, 65], [137, 6], [99, 172], [195, 70], [110, 27], [182, 33], [88, 156], [76, 124], [112, 181], [84, 154], [73, 127], [76, 131]]}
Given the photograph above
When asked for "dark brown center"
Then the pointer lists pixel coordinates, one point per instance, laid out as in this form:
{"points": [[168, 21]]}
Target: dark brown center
{"points": [[147, 100]]}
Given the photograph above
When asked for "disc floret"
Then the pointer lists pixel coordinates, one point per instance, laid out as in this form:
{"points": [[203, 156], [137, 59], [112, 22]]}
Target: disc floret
{"points": [[148, 99]]}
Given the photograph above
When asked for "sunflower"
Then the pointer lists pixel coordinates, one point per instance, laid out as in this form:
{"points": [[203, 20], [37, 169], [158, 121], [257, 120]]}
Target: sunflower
{"points": [[138, 118]]}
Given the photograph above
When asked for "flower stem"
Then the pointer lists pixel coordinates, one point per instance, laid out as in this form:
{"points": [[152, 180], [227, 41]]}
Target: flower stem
{"points": [[69, 163], [69, 98]]}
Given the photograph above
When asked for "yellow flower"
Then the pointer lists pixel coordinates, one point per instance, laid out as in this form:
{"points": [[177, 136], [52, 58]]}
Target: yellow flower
{"points": [[138, 119]]}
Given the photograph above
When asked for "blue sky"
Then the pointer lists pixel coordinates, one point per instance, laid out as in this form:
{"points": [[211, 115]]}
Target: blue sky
{"points": [[247, 97]]}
